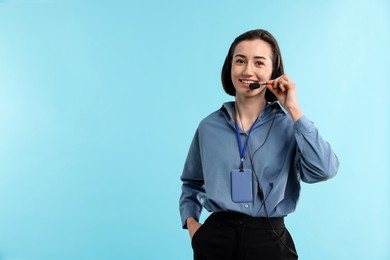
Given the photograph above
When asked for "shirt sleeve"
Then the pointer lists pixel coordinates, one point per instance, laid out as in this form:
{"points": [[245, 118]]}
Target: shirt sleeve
{"points": [[193, 183], [315, 159]]}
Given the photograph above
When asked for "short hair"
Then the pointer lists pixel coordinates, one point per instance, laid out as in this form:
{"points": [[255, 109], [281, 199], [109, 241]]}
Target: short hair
{"points": [[277, 62]]}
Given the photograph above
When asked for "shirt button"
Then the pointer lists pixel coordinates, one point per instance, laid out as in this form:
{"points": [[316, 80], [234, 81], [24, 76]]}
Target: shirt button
{"points": [[246, 205]]}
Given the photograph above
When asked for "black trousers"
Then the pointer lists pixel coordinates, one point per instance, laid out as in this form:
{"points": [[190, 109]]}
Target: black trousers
{"points": [[235, 236]]}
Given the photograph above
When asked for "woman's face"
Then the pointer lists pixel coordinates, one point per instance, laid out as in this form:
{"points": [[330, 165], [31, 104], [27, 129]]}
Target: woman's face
{"points": [[252, 62]]}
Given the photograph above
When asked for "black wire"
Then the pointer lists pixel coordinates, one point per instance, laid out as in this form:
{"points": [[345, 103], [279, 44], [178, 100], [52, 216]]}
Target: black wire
{"points": [[279, 235], [261, 194], [266, 137], [260, 189]]}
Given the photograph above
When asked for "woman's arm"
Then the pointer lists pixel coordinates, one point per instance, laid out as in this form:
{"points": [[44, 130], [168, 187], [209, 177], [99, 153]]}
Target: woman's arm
{"points": [[315, 159], [192, 179]]}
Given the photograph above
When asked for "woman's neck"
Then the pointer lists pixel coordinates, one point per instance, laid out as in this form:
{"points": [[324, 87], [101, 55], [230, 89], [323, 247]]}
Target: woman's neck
{"points": [[248, 110]]}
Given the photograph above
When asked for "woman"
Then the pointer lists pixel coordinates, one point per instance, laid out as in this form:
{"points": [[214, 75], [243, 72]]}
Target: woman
{"points": [[247, 159]]}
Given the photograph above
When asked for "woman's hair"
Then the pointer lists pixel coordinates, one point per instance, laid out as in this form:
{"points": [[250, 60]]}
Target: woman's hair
{"points": [[277, 61]]}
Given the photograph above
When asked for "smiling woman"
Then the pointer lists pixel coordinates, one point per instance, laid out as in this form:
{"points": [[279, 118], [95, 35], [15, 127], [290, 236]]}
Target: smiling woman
{"points": [[247, 159], [99, 101]]}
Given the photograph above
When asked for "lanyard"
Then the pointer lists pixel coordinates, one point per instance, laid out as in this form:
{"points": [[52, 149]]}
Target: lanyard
{"points": [[243, 149]]}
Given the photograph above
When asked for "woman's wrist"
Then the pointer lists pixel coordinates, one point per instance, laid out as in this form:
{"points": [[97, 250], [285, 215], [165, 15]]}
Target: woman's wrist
{"points": [[190, 222], [295, 113]]}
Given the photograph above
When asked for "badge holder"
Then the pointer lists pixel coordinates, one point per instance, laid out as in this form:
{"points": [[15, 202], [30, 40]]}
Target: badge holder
{"points": [[242, 185]]}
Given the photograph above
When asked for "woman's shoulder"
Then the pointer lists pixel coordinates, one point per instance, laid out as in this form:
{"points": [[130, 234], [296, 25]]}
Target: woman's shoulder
{"points": [[221, 115]]}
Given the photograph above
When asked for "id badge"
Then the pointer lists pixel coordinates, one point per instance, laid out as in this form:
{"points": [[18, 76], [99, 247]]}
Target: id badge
{"points": [[242, 186]]}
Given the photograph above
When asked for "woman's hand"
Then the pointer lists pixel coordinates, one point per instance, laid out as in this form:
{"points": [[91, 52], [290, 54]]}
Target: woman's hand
{"points": [[192, 226], [285, 91]]}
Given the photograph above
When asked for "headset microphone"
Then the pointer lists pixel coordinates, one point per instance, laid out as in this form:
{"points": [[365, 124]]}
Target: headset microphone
{"points": [[256, 85]]}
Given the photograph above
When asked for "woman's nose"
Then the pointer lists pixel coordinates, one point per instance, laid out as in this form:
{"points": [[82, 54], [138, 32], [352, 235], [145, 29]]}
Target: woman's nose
{"points": [[248, 71]]}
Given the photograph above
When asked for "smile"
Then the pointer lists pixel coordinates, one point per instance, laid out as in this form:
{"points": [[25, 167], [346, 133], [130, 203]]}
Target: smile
{"points": [[247, 81]]}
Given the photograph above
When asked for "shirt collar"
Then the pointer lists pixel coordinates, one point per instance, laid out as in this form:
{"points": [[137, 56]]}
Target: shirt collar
{"points": [[228, 109]]}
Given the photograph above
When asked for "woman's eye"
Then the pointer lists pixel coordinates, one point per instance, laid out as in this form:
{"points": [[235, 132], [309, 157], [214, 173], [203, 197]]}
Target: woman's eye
{"points": [[259, 63], [240, 61]]}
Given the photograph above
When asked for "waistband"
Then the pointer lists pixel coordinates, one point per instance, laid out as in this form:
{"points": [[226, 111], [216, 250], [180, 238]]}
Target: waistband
{"points": [[241, 219]]}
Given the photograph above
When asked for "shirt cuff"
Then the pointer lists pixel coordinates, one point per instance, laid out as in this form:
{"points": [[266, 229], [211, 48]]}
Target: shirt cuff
{"points": [[303, 125]]}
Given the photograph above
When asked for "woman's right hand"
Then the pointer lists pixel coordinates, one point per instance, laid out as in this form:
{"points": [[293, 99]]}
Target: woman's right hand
{"points": [[192, 226]]}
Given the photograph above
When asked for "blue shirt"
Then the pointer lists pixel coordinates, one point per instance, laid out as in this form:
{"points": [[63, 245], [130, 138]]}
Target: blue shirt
{"points": [[292, 152]]}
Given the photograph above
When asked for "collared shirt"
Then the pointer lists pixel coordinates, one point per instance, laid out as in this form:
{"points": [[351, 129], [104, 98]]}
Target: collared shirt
{"points": [[289, 153]]}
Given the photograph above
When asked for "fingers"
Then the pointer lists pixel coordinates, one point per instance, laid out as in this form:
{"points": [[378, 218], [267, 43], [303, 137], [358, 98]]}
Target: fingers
{"points": [[281, 84]]}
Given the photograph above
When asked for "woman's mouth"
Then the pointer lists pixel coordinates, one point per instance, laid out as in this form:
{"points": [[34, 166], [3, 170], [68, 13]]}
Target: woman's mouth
{"points": [[247, 82]]}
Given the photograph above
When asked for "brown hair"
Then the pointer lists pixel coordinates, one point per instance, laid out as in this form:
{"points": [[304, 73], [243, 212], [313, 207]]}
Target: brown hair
{"points": [[277, 62]]}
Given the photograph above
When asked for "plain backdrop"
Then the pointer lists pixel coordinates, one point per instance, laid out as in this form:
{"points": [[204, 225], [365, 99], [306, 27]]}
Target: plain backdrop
{"points": [[99, 101]]}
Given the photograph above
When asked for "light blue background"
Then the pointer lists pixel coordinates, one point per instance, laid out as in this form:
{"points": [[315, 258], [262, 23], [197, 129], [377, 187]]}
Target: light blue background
{"points": [[99, 101]]}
